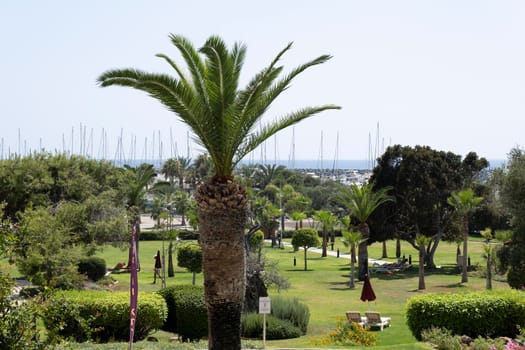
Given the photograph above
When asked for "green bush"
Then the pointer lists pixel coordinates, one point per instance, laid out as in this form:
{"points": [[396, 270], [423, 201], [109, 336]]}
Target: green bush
{"points": [[252, 327], [191, 313], [516, 277], [486, 314], [169, 294], [93, 267], [292, 310], [101, 316]]}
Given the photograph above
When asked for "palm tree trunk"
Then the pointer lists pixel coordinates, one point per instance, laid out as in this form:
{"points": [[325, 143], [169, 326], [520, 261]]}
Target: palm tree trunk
{"points": [[385, 254], [362, 252], [398, 248], [464, 274], [325, 244], [352, 262], [171, 270], [222, 214], [488, 284]]}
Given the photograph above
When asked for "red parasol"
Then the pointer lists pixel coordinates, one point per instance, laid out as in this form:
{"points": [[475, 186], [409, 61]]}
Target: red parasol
{"points": [[367, 294]]}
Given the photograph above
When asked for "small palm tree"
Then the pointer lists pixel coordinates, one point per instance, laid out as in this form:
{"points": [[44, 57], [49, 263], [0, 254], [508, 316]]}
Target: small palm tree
{"points": [[361, 201], [351, 239], [327, 221], [464, 202], [226, 122]]}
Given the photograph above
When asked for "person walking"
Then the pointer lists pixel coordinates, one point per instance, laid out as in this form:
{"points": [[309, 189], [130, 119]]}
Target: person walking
{"points": [[158, 267]]}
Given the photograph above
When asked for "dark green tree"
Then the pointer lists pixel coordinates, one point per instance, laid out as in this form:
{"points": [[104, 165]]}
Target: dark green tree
{"points": [[513, 198], [226, 122]]}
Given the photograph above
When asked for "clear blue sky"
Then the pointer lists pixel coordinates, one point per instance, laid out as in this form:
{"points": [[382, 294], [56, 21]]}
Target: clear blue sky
{"points": [[449, 74]]}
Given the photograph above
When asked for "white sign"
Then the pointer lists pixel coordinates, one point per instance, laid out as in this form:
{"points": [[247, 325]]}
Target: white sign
{"points": [[264, 305]]}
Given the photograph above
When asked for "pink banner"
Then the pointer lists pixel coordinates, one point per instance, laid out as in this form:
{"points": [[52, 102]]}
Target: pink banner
{"points": [[133, 286]]}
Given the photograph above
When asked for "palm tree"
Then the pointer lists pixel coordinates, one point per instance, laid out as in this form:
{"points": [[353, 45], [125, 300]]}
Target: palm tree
{"points": [[327, 221], [350, 239], [169, 169], [226, 121], [361, 201], [138, 179], [464, 202], [182, 168]]}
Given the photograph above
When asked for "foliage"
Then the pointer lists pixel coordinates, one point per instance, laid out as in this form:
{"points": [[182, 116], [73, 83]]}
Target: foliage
{"points": [[93, 267], [101, 316], [291, 309], [422, 179], [513, 197], [443, 339], [170, 296], [191, 313], [18, 321], [276, 328], [190, 256], [473, 314], [305, 238], [45, 252], [348, 334], [256, 241]]}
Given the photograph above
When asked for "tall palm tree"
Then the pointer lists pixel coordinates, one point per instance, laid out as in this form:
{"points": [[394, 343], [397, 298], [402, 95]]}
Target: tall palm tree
{"points": [[225, 120], [182, 168], [361, 201], [465, 202], [138, 179], [421, 242], [350, 239]]}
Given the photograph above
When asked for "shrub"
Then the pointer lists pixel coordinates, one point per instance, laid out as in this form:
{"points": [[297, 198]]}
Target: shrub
{"points": [[180, 311], [18, 328], [94, 267], [442, 339], [191, 313], [252, 327], [292, 310], [516, 277], [473, 314], [348, 334], [101, 316]]}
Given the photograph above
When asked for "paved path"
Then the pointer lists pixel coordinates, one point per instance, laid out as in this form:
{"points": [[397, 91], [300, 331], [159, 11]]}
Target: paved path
{"points": [[334, 253]]}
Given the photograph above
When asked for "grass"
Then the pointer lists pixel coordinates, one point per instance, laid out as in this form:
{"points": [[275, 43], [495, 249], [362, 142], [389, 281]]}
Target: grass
{"points": [[324, 288]]}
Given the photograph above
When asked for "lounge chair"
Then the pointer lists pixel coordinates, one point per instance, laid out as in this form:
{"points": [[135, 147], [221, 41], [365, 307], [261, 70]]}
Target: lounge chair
{"points": [[374, 319], [355, 316]]}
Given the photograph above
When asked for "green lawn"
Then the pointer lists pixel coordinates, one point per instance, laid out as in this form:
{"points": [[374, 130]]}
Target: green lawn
{"points": [[324, 287]]}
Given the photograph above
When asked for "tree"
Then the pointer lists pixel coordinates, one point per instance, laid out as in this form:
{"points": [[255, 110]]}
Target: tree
{"points": [[226, 122], [169, 169], [361, 201], [464, 202], [421, 179], [513, 198], [489, 256], [327, 221], [305, 238], [189, 256], [350, 239], [138, 179], [422, 241]]}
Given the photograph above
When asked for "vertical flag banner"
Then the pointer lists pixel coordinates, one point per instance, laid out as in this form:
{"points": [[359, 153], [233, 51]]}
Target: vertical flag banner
{"points": [[133, 285]]}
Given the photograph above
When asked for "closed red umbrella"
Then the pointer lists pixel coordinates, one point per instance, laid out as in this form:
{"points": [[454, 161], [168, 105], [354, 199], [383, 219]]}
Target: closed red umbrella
{"points": [[367, 294]]}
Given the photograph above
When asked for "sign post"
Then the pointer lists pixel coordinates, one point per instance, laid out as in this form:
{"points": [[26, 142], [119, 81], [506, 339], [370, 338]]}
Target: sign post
{"points": [[264, 308]]}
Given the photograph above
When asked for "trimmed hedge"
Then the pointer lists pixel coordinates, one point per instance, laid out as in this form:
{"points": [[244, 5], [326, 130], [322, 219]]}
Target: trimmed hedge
{"points": [[93, 267], [187, 313], [486, 314], [101, 316], [155, 235], [291, 309]]}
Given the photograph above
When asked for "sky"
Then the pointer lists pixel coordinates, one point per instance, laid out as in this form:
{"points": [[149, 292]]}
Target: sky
{"points": [[447, 74]]}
